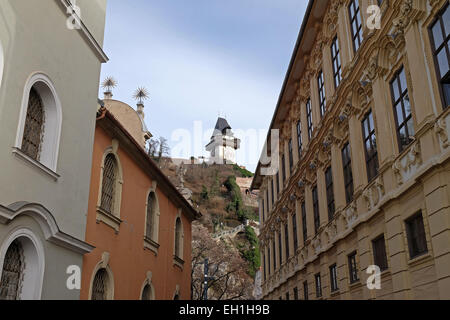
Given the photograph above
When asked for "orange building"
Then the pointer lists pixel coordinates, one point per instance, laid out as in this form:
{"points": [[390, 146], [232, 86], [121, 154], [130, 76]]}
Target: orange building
{"points": [[138, 222]]}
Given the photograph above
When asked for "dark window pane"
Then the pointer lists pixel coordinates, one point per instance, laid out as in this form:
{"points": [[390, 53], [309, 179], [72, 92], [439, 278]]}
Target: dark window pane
{"points": [[443, 61], [446, 19]]}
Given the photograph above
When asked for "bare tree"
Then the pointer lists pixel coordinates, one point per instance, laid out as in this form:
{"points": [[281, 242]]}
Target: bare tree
{"points": [[227, 270], [153, 147], [164, 149]]}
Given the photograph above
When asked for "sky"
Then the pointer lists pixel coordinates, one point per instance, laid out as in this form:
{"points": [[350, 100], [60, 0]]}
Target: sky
{"points": [[200, 59]]}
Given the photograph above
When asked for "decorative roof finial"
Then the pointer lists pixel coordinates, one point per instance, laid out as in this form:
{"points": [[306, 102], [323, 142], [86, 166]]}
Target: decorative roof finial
{"points": [[108, 84], [141, 94]]}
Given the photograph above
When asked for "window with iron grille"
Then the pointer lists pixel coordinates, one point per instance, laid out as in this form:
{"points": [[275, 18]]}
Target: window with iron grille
{"points": [[318, 285], [286, 240], [440, 34], [370, 146], [330, 193], [305, 290], [355, 24], [12, 272], [100, 285], [109, 183], [283, 166], [348, 173], [336, 61], [291, 155], [315, 197], [34, 126], [299, 139], [304, 223], [295, 293], [322, 95], [333, 278], [353, 268], [417, 240], [280, 250], [178, 243], [309, 118], [294, 232], [402, 110], [147, 293], [379, 253], [151, 212]]}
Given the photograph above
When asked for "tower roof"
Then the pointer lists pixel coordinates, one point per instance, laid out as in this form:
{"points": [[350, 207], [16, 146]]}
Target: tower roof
{"points": [[222, 126]]}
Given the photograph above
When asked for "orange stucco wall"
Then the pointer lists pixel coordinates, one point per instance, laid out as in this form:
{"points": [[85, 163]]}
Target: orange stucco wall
{"points": [[129, 261]]}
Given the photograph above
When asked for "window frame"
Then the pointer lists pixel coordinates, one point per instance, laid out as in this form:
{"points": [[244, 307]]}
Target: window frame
{"points": [[329, 183], [422, 236], [379, 252], [353, 268], [358, 35], [395, 103], [304, 223], [336, 61], [316, 208], [309, 119], [318, 283], [372, 161], [444, 46], [294, 231], [348, 172], [334, 282], [322, 93], [299, 139]]}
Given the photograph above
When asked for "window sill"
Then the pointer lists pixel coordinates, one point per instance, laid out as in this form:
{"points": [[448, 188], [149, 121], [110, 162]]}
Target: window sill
{"points": [[151, 245], [20, 154], [178, 262], [419, 259], [354, 285], [108, 219], [335, 293]]}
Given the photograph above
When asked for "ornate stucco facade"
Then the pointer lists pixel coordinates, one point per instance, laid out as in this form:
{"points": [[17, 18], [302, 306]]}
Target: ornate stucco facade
{"points": [[49, 77], [365, 143]]}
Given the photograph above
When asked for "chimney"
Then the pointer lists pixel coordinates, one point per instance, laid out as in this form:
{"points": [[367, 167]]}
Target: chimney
{"points": [[140, 110]]}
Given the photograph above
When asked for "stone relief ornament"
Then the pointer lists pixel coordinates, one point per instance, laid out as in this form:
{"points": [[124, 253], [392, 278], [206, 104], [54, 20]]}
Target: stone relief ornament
{"points": [[351, 215], [442, 132], [405, 167], [374, 194]]}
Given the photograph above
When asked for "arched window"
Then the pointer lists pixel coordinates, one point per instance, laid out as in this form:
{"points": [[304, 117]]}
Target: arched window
{"points": [[34, 126], [40, 123], [178, 238], [147, 293], [100, 285], [109, 184], [152, 216], [12, 272]]}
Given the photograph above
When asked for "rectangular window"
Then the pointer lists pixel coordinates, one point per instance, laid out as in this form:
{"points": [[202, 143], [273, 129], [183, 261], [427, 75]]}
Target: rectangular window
{"points": [[295, 293], [355, 24], [274, 256], [283, 167], [280, 250], [330, 193], [315, 196], [318, 285], [336, 61], [370, 146], [291, 155], [379, 253], [286, 240], [417, 240], [305, 225], [305, 290], [294, 232], [333, 278], [264, 267], [322, 95], [402, 110], [309, 118], [299, 139], [278, 182], [440, 34], [353, 268], [272, 190], [348, 174]]}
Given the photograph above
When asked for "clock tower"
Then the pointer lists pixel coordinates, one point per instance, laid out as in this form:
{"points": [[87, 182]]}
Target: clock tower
{"points": [[223, 144]]}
